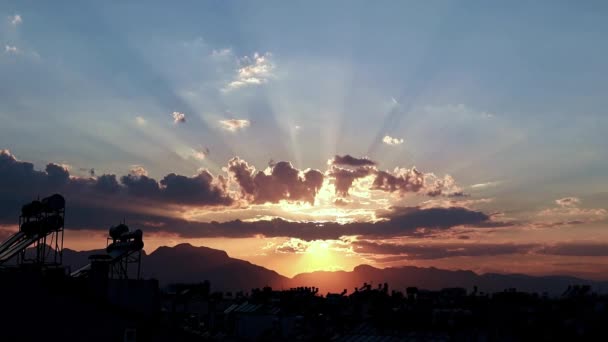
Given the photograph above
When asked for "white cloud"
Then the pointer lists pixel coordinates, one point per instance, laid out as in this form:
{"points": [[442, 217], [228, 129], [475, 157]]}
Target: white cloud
{"points": [[253, 71], [200, 154], [178, 117], [234, 125], [460, 111], [16, 19], [11, 49], [568, 202], [485, 185], [138, 171], [221, 52], [140, 121], [392, 141], [568, 209]]}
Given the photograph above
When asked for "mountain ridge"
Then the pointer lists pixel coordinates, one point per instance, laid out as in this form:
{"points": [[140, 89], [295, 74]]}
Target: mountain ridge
{"points": [[185, 263]]}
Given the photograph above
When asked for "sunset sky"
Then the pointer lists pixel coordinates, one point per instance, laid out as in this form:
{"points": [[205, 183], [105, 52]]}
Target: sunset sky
{"points": [[307, 136]]}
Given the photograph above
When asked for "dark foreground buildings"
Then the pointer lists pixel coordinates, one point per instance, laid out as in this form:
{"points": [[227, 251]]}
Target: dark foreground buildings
{"points": [[106, 300]]}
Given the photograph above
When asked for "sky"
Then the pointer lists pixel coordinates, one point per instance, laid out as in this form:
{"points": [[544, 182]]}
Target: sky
{"points": [[308, 136]]}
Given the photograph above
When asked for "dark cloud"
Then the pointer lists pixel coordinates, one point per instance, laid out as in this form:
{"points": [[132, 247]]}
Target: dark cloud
{"points": [[107, 184], [437, 217], [201, 189], [57, 174], [95, 203], [21, 183], [576, 249], [198, 190], [344, 178], [141, 186], [284, 182], [406, 223], [438, 251], [391, 252], [349, 160], [411, 180]]}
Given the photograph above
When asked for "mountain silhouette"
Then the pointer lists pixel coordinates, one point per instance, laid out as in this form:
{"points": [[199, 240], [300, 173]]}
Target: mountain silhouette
{"points": [[188, 264], [434, 279], [185, 263]]}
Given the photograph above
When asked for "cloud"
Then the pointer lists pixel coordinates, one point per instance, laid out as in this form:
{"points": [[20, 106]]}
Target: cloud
{"points": [[20, 183], [348, 160], [178, 117], [344, 178], [200, 154], [140, 120], [200, 189], [293, 246], [568, 210], [221, 52], [392, 141], [234, 125], [138, 171], [96, 202], [16, 19], [11, 49], [568, 202], [254, 70], [411, 251], [403, 180], [407, 223], [576, 249], [485, 185], [280, 182]]}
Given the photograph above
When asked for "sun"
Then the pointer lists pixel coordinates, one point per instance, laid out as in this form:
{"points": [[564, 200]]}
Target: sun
{"points": [[318, 256]]}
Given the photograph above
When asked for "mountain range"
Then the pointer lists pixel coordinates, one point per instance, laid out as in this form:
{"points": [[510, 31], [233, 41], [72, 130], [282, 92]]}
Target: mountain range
{"points": [[185, 263]]}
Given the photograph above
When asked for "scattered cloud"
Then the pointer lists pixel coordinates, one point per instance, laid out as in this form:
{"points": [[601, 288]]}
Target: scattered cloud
{"points": [[344, 178], [138, 171], [281, 181], [568, 202], [568, 212], [292, 246], [234, 125], [410, 251], [90, 172], [178, 117], [403, 180], [11, 49], [392, 141], [253, 71], [200, 154], [348, 160], [485, 185], [16, 19], [140, 120], [221, 52], [576, 249]]}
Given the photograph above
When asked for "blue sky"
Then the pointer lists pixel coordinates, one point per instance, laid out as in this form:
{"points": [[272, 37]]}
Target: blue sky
{"points": [[510, 95]]}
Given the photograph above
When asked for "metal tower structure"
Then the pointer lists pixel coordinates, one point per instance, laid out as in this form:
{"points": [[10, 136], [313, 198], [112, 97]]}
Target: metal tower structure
{"points": [[41, 225]]}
